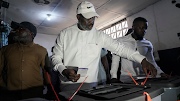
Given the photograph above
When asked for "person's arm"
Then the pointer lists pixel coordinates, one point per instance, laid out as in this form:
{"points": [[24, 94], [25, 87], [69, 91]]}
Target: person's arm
{"points": [[151, 59], [148, 66], [125, 52], [47, 69], [106, 67], [1, 62], [114, 68], [71, 74], [47, 72], [57, 59], [57, 53]]}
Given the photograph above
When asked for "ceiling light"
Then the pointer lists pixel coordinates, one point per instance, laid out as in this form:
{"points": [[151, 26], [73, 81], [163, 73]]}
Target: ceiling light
{"points": [[48, 16]]}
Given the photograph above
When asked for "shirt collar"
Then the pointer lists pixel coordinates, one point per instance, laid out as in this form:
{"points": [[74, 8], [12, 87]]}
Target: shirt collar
{"points": [[29, 45], [130, 36], [83, 30]]}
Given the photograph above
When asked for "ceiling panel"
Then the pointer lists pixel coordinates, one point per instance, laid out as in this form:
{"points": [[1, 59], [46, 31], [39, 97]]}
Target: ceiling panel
{"points": [[104, 16], [66, 9], [54, 27], [63, 12], [116, 10]]}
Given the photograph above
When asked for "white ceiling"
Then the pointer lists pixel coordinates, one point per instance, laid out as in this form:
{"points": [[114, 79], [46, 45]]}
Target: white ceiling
{"points": [[64, 12]]}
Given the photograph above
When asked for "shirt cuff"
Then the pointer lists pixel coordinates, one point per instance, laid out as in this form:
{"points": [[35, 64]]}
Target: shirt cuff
{"points": [[159, 71], [114, 76], [61, 68], [137, 57]]}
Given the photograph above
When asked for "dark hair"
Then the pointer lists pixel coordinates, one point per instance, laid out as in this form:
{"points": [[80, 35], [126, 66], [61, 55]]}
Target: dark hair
{"points": [[139, 19]]}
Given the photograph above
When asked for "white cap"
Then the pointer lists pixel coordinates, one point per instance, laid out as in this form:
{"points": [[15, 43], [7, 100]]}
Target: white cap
{"points": [[86, 9]]}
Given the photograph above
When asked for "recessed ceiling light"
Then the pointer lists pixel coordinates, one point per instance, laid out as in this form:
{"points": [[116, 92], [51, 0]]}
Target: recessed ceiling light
{"points": [[48, 16]]}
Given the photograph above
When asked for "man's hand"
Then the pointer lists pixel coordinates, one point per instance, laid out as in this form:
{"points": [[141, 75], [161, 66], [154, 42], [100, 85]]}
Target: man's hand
{"points": [[148, 66], [115, 80], [71, 75], [164, 75]]}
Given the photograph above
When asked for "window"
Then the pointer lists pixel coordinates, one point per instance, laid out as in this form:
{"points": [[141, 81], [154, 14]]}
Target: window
{"points": [[117, 30]]}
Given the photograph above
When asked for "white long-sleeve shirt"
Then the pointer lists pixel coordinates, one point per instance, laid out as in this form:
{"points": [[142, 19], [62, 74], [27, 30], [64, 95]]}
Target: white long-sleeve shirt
{"points": [[83, 49], [144, 47]]}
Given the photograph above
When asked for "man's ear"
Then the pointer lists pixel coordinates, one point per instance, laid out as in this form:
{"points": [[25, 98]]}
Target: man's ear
{"points": [[133, 27], [32, 34], [77, 16]]}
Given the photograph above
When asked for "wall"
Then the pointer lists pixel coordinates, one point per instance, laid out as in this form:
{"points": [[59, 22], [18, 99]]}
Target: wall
{"points": [[46, 41], [164, 24]]}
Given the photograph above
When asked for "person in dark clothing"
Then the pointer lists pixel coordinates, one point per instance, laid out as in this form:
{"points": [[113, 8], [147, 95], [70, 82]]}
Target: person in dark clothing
{"points": [[20, 66], [11, 38]]}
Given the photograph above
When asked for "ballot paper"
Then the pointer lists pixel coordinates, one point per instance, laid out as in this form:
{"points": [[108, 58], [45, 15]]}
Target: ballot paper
{"points": [[141, 77], [82, 71], [144, 76]]}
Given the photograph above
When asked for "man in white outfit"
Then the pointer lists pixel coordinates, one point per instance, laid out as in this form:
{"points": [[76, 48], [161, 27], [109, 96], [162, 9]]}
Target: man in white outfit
{"points": [[135, 41], [80, 45]]}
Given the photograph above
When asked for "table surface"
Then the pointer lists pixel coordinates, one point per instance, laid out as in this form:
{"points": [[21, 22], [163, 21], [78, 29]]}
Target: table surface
{"points": [[128, 93], [173, 81]]}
